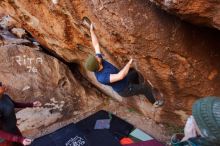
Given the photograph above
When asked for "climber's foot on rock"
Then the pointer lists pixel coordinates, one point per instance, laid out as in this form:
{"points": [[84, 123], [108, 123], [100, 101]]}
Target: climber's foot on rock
{"points": [[159, 97], [158, 103]]}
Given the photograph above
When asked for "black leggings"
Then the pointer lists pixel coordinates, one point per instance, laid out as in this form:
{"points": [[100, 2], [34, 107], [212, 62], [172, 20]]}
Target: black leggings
{"points": [[135, 88]]}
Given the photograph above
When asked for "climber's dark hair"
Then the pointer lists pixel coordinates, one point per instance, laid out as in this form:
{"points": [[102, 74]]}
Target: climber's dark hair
{"points": [[0, 84]]}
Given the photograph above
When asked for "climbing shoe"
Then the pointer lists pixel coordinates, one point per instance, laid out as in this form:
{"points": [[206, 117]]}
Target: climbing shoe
{"points": [[158, 96], [158, 103]]}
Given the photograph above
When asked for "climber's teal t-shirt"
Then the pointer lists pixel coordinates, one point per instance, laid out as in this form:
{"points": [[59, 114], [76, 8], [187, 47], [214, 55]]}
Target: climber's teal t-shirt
{"points": [[103, 76]]}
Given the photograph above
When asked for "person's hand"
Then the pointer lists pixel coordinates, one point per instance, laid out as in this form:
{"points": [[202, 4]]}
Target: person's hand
{"points": [[37, 104], [27, 141], [190, 129]]}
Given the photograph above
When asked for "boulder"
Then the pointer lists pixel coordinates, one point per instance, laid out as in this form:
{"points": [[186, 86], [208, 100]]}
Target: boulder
{"points": [[6, 22], [32, 75], [200, 12], [178, 58], [19, 32]]}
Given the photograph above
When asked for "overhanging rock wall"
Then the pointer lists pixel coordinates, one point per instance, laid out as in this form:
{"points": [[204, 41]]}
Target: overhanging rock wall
{"points": [[180, 59], [202, 12]]}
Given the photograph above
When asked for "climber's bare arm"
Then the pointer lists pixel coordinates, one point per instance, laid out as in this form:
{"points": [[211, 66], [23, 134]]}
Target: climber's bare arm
{"points": [[95, 42], [121, 75]]}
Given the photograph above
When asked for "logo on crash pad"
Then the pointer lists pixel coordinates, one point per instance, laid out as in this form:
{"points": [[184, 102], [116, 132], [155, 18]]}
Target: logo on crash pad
{"points": [[76, 141]]}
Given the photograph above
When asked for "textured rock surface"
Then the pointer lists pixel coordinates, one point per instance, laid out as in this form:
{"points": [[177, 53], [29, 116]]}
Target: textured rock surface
{"points": [[32, 75], [205, 12], [35, 122], [178, 58]]}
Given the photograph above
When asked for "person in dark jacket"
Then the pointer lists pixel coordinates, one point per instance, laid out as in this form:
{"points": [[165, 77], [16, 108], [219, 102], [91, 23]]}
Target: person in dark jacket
{"points": [[10, 135], [120, 80]]}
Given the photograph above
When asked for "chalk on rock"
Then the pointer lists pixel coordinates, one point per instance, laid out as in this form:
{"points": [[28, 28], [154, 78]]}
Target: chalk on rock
{"points": [[26, 88], [36, 43], [55, 1], [6, 22]]}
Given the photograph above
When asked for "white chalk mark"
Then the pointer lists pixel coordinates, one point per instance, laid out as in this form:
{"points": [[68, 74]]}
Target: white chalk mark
{"points": [[55, 1], [26, 88], [39, 60], [18, 60]]}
